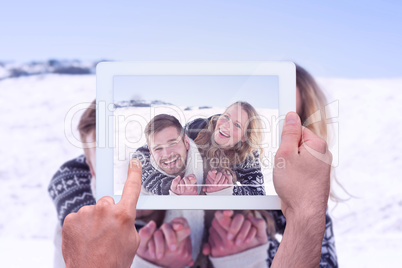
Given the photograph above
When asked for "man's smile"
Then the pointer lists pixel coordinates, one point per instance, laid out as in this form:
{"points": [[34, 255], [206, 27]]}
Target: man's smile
{"points": [[170, 162]]}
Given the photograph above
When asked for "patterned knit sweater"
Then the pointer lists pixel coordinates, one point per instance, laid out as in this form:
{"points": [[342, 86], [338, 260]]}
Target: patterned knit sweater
{"points": [[249, 175], [70, 187]]}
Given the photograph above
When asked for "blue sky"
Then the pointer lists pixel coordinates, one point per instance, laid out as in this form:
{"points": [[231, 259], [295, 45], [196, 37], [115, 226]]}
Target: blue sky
{"points": [[350, 39], [213, 91]]}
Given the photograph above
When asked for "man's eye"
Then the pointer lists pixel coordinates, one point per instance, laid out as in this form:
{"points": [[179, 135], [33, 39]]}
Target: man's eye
{"points": [[157, 149], [173, 143], [226, 117]]}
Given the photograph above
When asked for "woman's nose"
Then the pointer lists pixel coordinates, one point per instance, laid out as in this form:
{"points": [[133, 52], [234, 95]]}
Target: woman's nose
{"points": [[226, 124]]}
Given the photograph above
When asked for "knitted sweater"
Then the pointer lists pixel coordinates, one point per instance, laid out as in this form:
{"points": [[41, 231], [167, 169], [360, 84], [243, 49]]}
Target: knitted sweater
{"points": [[70, 187]]}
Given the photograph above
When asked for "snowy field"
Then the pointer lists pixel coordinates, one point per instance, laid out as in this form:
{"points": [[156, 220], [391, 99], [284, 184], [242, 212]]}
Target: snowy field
{"points": [[368, 228]]}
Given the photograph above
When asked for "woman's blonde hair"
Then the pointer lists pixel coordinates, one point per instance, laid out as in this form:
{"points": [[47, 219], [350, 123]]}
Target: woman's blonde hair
{"points": [[313, 101], [224, 159], [313, 115]]}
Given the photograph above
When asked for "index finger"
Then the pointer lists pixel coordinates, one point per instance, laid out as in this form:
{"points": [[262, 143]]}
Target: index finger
{"points": [[132, 187]]}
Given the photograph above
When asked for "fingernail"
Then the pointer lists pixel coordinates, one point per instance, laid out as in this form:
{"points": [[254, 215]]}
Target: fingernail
{"points": [[159, 255], [230, 236], [292, 118], [173, 247], [238, 242]]}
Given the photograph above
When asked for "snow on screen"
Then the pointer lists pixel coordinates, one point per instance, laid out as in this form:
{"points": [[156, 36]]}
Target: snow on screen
{"points": [[138, 99]]}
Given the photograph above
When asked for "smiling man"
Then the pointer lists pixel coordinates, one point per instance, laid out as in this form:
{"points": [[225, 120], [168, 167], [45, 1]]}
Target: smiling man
{"points": [[167, 144], [171, 153]]}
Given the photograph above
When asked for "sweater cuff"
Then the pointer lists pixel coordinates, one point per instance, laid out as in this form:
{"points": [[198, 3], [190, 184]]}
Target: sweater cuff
{"points": [[253, 258], [140, 262]]}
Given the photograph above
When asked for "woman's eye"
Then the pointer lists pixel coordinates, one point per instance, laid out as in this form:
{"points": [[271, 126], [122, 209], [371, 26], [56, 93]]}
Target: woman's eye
{"points": [[226, 117], [173, 143], [237, 125]]}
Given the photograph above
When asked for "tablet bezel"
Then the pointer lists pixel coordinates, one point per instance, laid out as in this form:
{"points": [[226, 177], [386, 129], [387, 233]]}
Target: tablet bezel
{"points": [[105, 72]]}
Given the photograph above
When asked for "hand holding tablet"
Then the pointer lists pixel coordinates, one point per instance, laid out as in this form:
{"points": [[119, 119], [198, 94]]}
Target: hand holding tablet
{"points": [[307, 165], [231, 114]]}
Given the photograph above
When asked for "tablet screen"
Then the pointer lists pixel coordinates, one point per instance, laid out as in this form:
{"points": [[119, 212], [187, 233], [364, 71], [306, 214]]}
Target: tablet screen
{"points": [[197, 134]]}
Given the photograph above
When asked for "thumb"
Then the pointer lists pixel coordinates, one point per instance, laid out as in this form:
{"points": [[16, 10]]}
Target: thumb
{"points": [[291, 135]]}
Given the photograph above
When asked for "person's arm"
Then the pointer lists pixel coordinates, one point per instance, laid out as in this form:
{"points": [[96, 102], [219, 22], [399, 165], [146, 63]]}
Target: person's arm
{"points": [[193, 128], [302, 181], [250, 177], [328, 250], [154, 181], [70, 187], [301, 242]]}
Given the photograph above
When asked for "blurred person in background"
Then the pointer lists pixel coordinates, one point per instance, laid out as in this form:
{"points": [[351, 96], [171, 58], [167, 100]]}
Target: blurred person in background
{"points": [[73, 185]]}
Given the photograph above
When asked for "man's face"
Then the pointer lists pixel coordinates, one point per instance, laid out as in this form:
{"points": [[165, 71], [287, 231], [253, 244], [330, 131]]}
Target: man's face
{"points": [[169, 150]]}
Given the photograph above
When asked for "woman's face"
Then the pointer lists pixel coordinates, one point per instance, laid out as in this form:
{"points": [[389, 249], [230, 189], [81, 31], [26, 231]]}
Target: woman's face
{"points": [[231, 126]]}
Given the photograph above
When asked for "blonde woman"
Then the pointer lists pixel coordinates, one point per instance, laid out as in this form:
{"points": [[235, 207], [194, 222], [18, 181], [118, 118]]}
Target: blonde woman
{"points": [[230, 146]]}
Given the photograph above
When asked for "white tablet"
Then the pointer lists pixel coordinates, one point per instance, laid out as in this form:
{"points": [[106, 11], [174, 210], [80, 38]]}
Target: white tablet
{"points": [[206, 133]]}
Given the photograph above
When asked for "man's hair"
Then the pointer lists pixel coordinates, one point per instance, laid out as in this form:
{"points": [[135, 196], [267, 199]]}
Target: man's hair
{"points": [[87, 122], [160, 122]]}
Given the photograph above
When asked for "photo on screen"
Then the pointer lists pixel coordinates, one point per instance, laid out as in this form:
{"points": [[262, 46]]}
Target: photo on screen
{"points": [[197, 134]]}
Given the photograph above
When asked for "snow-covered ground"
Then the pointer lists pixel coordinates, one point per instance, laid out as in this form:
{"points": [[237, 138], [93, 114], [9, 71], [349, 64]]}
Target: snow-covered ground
{"points": [[368, 229], [33, 147]]}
